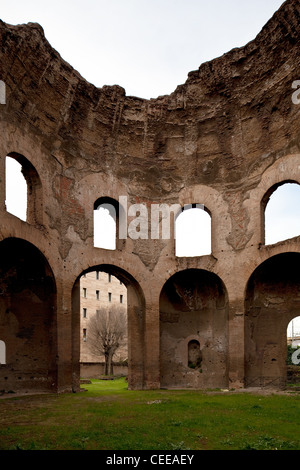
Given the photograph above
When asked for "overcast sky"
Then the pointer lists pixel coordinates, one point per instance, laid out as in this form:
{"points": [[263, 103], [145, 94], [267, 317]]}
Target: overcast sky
{"points": [[146, 46]]}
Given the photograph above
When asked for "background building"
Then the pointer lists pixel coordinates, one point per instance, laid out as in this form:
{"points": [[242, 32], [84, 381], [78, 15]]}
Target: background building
{"points": [[98, 289]]}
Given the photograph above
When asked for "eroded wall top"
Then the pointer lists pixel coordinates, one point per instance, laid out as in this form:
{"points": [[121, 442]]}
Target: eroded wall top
{"points": [[230, 120]]}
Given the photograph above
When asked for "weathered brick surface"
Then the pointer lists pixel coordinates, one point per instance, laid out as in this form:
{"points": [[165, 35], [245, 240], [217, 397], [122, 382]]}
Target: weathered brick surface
{"points": [[223, 139]]}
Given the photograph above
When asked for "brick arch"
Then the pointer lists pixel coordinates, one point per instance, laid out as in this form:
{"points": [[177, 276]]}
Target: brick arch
{"points": [[285, 169], [271, 302], [116, 212], [265, 201], [194, 305], [28, 321], [136, 323], [34, 189], [201, 240], [216, 206]]}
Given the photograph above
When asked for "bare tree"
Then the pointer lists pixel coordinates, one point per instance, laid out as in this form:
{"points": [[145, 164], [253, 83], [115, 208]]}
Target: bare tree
{"points": [[107, 333]]}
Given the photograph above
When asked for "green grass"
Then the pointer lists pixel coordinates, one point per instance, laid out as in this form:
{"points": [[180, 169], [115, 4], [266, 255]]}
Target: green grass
{"points": [[107, 416]]}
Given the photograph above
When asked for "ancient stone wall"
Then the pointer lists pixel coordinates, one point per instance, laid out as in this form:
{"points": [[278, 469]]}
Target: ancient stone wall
{"points": [[224, 139]]}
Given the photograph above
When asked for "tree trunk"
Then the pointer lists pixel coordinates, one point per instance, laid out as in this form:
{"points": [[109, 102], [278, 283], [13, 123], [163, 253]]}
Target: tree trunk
{"points": [[108, 367], [110, 364], [106, 364]]}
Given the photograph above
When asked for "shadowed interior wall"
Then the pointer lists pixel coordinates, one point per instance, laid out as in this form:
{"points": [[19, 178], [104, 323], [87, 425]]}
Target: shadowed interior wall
{"points": [[27, 318], [194, 309], [272, 301]]}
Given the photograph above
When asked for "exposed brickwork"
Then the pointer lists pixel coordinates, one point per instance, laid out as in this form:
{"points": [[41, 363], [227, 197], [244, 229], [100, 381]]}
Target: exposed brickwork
{"points": [[224, 139]]}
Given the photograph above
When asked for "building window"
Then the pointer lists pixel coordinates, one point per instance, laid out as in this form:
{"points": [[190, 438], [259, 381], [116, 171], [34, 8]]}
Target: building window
{"points": [[84, 292], [109, 278], [84, 311], [97, 294], [84, 334], [97, 275], [109, 296], [121, 299]]}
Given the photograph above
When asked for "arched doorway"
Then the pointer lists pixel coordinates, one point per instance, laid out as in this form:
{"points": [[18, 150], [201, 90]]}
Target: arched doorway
{"points": [[272, 301], [103, 318], [28, 320], [135, 322], [194, 331]]}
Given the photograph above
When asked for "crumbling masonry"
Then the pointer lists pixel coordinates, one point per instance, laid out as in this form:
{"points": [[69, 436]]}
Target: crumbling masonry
{"points": [[226, 139]]}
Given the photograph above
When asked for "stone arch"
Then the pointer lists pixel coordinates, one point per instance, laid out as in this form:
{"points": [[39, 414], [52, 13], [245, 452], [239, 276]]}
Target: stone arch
{"points": [[282, 219], [217, 207], [34, 213], [136, 324], [194, 307], [28, 320], [114, 210], [284, 170], [271, 302]]}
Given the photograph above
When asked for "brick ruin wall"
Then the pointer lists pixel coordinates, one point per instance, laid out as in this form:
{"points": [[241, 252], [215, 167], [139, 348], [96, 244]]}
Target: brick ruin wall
{"points": [[225, 138]]}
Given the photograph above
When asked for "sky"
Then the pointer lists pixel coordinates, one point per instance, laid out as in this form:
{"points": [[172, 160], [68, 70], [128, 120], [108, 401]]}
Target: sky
{"points": [[146, 46]]}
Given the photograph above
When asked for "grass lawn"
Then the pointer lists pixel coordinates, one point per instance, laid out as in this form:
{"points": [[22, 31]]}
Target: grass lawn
{"points": [[109, 417]]}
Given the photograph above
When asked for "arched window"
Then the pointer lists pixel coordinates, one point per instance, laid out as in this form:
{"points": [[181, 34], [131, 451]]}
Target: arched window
{"points": [[23, 187], [105, 223], [281, 206], [193, 232], [16, 189], [2, 352]]}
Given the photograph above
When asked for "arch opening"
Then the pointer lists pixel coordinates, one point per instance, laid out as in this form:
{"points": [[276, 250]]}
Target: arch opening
{"points": [[281, 212], [193, 232], [103, 307], [272, 301], [28, 322], [194, 331], [106, 224], [109, 293], [23, 188], [16, 189]]}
